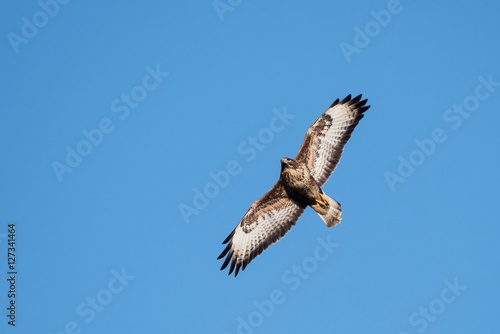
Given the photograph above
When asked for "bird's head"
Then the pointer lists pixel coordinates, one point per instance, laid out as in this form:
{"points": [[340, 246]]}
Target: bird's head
{"points": [[289, 163]]}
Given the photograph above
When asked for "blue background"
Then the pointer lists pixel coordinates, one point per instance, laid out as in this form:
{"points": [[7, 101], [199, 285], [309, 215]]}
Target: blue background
{"points": [[401, 242]]}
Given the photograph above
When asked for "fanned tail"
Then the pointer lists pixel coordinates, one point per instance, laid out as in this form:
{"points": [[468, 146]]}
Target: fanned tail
{"points": [[331, 214]]}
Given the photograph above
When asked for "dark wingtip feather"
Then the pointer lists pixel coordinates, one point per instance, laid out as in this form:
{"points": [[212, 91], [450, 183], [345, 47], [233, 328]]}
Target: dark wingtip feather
{"points": [[245, 263], [226, 261], [224, 252], [359, 104], [363, 109], [347, 98], [233, 263], [228, 237], [238, 266], [356, 99], [335, 103]]}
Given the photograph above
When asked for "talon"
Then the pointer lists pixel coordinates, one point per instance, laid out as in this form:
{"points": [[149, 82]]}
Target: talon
{"points": [[322, 201]]}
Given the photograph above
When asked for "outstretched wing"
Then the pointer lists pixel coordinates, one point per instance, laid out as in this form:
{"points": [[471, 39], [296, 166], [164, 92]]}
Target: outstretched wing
{"points": [[324, 142], [267, 221]]}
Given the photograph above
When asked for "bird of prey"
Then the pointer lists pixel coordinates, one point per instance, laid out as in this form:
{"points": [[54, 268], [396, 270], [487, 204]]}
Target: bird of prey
{"points": [[299, 186]]}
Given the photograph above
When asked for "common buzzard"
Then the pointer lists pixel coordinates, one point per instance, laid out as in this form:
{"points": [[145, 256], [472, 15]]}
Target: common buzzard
{"points": [[299, 185]]}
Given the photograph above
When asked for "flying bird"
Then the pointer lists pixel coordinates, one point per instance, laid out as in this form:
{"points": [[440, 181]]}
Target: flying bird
{"points": [[299, 186]]}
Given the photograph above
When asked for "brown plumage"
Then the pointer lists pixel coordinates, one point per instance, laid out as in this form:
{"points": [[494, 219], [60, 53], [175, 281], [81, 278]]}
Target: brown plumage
{"points": [[299, 186]]}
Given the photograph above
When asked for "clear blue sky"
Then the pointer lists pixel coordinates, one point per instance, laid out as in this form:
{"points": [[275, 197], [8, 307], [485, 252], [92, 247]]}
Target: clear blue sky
{"points": [[116, 117]]}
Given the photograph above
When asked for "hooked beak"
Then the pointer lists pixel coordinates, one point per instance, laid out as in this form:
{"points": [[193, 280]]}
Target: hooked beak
{"points": [[285, 161]]}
